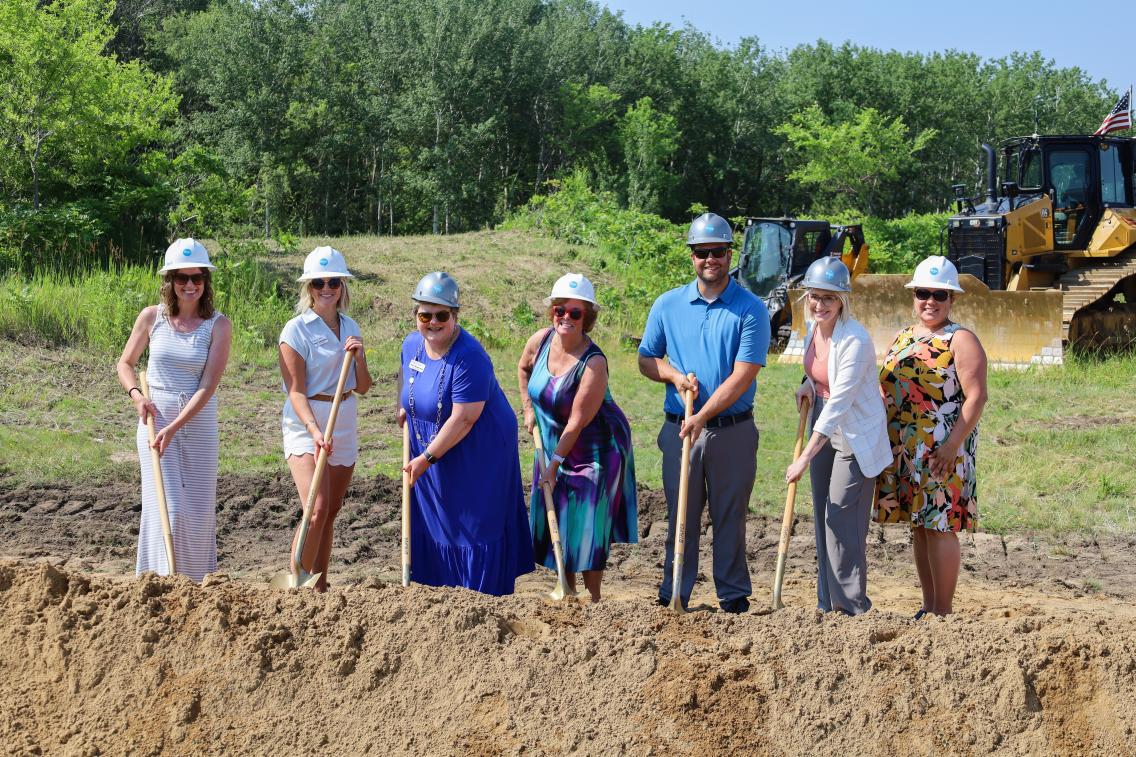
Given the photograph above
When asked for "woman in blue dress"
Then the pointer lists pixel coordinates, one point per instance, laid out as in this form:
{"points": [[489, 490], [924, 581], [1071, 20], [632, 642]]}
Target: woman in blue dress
{"points": [[467, 522], [586, 438]]}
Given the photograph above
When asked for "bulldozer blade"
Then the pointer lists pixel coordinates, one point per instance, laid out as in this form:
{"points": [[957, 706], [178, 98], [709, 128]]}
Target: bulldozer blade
{"points": [[294, 581], [1015, 328]]}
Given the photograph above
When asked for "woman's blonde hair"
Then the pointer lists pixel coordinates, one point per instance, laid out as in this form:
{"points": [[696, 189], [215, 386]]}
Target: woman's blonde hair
{"points": [[308, 302], [845, 304]]}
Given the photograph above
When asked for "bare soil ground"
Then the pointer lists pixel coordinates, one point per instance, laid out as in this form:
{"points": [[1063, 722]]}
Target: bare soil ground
{"points": [[1040, 658]]}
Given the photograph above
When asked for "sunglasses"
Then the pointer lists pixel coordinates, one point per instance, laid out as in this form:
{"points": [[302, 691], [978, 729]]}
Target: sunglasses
{"points": [[317, 284], [938, 295], [716, 252], [574, 313], [441, 316], [181, 279]]}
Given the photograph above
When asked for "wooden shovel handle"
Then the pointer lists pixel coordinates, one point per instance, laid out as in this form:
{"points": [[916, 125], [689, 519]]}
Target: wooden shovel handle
{"points": [[159, 484], [405, 503], [680, 514], [787, 517], [321, 461], [553, 524]]}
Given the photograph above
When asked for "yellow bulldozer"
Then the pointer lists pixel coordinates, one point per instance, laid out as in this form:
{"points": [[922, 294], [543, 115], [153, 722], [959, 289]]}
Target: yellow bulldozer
{"points": [[1047, 257]]}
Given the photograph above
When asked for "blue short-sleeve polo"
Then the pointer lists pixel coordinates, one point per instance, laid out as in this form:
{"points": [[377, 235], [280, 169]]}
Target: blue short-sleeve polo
{"points": [[707, 338]]}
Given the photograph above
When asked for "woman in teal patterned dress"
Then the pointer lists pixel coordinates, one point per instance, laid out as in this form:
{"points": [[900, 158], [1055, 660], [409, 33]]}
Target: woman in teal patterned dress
{"points": [[586, 438]]}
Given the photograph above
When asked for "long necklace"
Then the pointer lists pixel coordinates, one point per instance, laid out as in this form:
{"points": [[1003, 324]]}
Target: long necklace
{"points": [[437, 391]]}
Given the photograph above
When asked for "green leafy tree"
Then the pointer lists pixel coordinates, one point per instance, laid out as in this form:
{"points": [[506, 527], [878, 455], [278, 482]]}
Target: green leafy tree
{"points": [[649, 141], [70, 116], [847, 165]]}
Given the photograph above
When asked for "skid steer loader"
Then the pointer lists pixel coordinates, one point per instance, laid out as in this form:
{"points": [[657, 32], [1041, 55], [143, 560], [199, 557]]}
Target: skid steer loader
{"points": [[1047, 258], [775, 254]]}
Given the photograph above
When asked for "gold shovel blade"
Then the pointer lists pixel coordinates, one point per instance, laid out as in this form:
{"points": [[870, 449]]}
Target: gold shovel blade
{"points": [[561, 591], [293, 581]]}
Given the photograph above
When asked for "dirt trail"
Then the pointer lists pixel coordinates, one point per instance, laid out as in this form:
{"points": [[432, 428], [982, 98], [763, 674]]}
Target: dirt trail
{"points": [[1041, 657]]}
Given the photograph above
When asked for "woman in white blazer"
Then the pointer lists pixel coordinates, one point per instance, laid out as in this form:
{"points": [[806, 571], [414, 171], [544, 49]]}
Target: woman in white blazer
{"points": [[849, 445]]}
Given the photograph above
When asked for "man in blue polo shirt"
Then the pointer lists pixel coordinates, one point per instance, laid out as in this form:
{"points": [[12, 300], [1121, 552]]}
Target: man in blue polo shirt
{"points": [[718, 331]]}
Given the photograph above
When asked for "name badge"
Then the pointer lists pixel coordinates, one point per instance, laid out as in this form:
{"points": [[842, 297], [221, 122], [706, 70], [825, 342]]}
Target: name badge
{"points": [[417, 366]]}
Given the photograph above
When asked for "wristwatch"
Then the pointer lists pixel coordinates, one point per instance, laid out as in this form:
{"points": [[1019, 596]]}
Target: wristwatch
{"points": [[429, 458]]}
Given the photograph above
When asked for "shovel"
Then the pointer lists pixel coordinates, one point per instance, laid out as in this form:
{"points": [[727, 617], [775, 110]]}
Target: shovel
{"points": [[562, 590], [787, 519], [405, 504], [680, 515], [297, 577], [159, 485]]}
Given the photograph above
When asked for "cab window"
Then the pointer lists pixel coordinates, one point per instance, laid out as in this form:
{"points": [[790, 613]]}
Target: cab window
{"points": [[1114, 190], [1029, 173]]}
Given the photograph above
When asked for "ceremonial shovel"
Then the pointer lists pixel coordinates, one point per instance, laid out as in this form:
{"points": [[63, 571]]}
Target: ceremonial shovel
{"points": [[561, 591], [787, 520], [159, 484], [297, 577], [680, 515], [405, 503]]}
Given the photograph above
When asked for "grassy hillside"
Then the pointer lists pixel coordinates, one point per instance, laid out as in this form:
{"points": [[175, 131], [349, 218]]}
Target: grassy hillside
{"points": [[1053, 447]]}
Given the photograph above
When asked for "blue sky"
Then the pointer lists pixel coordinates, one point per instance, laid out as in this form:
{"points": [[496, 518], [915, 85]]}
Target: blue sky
{"points": [[1096, 38]]}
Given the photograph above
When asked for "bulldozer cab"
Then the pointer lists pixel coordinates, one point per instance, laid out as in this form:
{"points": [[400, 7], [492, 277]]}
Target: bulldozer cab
{"points": [[1081, 175]]}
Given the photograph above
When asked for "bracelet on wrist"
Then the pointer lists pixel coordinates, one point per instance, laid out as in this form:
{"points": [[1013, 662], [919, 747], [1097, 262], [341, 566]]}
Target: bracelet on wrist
{"points": [[429, 458], [131, 390]]}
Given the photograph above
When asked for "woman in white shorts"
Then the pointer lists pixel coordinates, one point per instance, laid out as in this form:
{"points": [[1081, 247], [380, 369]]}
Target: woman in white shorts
{"points": [[311, 355]]}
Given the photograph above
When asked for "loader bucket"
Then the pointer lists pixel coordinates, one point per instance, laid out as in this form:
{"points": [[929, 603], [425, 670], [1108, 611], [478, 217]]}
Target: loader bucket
{"points": [[1017, 329]]}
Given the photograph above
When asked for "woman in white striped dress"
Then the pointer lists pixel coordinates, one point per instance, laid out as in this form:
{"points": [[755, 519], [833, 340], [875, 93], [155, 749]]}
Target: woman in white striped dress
{"points": [[189, 346]]}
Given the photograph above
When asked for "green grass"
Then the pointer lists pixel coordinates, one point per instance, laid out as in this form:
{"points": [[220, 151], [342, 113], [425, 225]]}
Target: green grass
{"points": [[1054, 446]]}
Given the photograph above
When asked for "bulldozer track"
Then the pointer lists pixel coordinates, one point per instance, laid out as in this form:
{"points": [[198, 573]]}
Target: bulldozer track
{"points": [[1083, 286]]}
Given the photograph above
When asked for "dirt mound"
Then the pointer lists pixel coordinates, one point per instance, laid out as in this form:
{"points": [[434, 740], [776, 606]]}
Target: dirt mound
{"points": [[94, 664]]}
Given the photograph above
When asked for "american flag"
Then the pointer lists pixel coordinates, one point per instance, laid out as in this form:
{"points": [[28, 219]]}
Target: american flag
{"points": [[1119, 118]]}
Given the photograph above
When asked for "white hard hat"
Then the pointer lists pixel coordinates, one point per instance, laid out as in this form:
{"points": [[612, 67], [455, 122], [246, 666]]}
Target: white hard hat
{"points": [[573, 286], [186, 253], [935, 272], [325, 263]]}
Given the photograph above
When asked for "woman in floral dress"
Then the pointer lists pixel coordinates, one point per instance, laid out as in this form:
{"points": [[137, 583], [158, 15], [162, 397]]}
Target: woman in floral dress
{"points": [[934, 385]]}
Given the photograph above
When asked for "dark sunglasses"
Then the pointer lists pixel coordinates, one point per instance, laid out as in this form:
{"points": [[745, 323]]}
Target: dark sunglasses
{"points": [[182, 279], [331, 283], [716, 252], [574, 313], [938, 295], [441, 316]]}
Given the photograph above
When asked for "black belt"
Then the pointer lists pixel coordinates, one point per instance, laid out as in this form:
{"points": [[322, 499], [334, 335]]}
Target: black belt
{"points": [[720, 421]]}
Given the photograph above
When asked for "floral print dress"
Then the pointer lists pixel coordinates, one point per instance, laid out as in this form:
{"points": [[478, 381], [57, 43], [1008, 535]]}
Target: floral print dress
{"points": [[924, 399]]}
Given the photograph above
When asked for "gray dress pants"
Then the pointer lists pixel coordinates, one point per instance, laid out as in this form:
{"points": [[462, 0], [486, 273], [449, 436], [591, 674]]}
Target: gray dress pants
{"points": [[842, 501], [723, 464]]}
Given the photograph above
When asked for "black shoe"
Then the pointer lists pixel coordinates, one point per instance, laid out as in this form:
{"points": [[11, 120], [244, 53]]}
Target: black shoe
{"points": [[662, 602], [736, 606]]}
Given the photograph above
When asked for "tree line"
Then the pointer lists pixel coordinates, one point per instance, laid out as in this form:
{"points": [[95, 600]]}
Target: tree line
{"points": [[122, 123]]}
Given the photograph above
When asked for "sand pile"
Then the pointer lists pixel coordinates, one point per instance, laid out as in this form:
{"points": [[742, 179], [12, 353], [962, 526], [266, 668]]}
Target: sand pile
{"points": [[94, 664]]}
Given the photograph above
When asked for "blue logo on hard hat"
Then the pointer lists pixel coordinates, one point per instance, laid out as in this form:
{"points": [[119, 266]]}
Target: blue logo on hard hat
{"points": [[934, 271], [187, 252], [437, 289], [323, 261], [573, 284], [830, 274], [709, 228]]}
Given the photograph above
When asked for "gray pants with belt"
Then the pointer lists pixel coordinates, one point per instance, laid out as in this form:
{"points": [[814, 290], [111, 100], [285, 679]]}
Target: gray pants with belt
{"points": [[723, 464], [842, 500]]}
